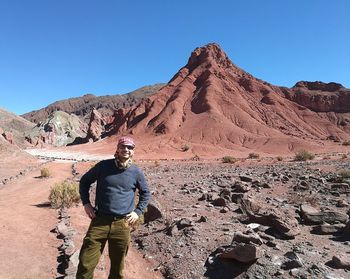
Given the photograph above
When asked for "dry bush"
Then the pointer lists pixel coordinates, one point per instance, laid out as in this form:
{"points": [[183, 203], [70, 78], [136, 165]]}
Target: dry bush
{"points": [[346, 143], [196, 158], [253, 155], [279, 158], [185, 147], [64, 194], [229, 159], [344, 156], [303, 155], [156, 163], [44, 173], [345, 173]]}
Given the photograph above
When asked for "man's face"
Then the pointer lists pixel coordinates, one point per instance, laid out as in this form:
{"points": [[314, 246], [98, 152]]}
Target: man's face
{"points": [[124, 151]]}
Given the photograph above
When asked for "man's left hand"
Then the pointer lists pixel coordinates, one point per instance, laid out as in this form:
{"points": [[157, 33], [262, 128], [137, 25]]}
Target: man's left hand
{"points": [[132, 218]]}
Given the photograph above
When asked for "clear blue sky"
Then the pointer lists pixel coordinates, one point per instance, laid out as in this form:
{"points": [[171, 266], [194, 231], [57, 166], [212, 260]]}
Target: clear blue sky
{"points": [[56, 49]]}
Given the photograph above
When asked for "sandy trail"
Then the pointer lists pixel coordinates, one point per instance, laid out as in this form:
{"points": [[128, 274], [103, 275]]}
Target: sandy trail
{"points": [[28, 249]]}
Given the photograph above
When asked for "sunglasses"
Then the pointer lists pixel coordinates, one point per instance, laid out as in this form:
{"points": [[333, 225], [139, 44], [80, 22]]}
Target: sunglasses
{"points": [[130, 147]]}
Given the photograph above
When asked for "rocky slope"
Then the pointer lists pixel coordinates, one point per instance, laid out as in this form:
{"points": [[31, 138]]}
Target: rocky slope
{"points": [[13, 128], [59, 129], [82, 106], [211, 105]]}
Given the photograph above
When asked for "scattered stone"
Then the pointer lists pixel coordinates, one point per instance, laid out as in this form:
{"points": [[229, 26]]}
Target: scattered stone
{"points": [[237, 197], [250, 237], [245, 178], [241, 187], [282, 220], [202, 219], [341, 261], [341, 188], [311, 215], [153, 212], [293, 261], [327, 229], [219, 202], [245, 253]]}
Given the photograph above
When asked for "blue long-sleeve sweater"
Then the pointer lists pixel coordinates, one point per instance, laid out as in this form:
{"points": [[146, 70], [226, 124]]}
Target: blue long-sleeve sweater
{"points": [[115, 190]]}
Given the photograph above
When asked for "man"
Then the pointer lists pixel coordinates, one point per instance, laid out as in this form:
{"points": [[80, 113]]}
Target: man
{"points": [[114, 211]]}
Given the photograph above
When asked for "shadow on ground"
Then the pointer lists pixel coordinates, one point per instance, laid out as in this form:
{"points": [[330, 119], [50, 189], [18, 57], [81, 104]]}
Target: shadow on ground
{"points": [[44, 204], [226, 269]]}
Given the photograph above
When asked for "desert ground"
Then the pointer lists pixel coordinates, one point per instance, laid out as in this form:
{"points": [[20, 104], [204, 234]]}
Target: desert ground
{"points": [[264, 217]]}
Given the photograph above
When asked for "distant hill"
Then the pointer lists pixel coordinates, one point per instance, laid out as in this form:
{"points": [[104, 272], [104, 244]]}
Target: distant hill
{"points": [[82, 106], [14, 125]]}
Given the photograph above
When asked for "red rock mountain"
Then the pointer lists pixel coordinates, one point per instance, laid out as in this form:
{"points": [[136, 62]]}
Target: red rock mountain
{"points": [[213, 106]]}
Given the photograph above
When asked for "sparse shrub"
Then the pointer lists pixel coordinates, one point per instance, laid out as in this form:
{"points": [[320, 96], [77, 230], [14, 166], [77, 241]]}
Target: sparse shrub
{"points": [[185, 147], [253, 156], [229, 159], [344, 156], [64, 194], [346, 143], [344, 173], [156, 163], [44, 173], [279, 158], [195, 158], [303, 155]]}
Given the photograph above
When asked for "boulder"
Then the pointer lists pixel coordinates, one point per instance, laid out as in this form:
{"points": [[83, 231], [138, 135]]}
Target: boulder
{"points": [[341, 261], [249, 237], [311, 215], [153, 212], [326, 229], [244, 253], [281, 220]]}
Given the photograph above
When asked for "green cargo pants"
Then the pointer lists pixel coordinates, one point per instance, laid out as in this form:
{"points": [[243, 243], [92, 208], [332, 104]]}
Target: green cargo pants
{"points": [[116, 231]]}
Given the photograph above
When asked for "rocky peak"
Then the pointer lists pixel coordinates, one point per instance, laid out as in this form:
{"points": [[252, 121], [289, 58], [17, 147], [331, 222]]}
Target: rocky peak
{"points": [[210, 54]]}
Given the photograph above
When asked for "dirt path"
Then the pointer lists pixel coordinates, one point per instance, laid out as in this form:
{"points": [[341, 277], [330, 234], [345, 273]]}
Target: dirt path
{"points": [[28, 249]]}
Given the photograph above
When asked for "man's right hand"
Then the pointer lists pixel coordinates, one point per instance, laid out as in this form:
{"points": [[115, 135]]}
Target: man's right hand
{"points": [[89, 211]]}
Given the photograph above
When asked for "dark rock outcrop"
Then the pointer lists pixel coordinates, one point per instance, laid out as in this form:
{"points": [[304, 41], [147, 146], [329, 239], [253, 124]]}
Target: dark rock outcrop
{"points": [[83, 106], [59, 129]]}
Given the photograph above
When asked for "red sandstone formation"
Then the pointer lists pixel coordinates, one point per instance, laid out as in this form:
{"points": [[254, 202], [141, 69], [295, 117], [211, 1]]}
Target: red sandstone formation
{"points": [[213, 105]]}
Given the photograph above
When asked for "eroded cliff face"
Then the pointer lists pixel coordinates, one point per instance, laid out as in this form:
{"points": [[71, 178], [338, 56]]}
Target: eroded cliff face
{"points": [[320, 97], [60, 129]]}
